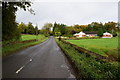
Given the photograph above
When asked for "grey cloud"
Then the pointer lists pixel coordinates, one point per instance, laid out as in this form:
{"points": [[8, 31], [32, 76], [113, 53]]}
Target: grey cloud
{"points": [[70, 13]]}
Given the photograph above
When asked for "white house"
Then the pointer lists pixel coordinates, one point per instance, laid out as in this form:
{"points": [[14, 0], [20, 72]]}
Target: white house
{"points": [[91, 33], [81, 34], [107, 35]]}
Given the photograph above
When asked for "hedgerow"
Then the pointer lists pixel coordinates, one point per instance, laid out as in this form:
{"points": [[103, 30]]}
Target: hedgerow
{"points": [[88, 67]]}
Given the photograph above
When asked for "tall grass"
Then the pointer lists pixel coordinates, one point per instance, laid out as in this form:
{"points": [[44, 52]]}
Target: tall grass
{"points": [[88, 67]]}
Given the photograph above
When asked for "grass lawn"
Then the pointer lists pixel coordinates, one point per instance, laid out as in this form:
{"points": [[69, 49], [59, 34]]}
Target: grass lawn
{"points": [[6, 50], [100, 46]]}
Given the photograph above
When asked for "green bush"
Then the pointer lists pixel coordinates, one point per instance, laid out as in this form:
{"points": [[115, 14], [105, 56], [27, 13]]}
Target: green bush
{"points": [[88, 67]]}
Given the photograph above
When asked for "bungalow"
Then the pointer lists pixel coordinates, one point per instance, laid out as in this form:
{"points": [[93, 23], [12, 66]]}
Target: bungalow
{"points": [[91, 33], [86, 34], [80, 34], [107, 35]]}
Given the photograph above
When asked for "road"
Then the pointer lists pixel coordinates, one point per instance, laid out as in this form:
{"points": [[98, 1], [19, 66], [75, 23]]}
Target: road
{"points": [[45, 60]]}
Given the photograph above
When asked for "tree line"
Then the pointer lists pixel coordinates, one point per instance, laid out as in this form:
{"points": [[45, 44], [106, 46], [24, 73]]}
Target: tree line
{"points": [[64, 30], [11, 30], [28, 28]]}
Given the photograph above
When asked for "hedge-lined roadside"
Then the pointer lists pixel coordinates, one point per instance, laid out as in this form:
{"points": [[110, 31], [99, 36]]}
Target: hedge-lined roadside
{"points": [[87, 52], [8, 49], [88, 67], [75, 38]]}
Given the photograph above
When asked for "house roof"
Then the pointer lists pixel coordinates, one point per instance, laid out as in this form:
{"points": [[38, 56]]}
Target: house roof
{"points": [[90, 32], [82, 33], [106, 33]]}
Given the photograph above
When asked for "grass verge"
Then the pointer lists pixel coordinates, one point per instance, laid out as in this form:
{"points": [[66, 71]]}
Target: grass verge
{"points": [[88, 67], [8, 49]]}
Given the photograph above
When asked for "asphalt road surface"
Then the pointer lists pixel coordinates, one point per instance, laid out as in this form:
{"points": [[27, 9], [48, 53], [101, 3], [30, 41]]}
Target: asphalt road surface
{"points": [[44, 60]]}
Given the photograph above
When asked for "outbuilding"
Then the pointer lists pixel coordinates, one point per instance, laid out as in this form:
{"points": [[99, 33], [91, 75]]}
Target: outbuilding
{"points": [[107, 35]]}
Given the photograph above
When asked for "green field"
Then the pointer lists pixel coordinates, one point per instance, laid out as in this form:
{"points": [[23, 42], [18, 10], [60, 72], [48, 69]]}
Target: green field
{"points": [[8, 49], [101, 46], [88, 67], [30, 37]]}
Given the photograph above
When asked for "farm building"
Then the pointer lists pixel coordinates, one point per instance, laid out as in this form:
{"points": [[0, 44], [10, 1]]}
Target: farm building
{"points": [[107, 35], [81, 34], [86, 34]]}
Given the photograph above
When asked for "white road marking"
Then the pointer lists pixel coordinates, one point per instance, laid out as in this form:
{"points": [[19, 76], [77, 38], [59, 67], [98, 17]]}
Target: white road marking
{"points": [[22, 67], [19, 70], [31, 60]]}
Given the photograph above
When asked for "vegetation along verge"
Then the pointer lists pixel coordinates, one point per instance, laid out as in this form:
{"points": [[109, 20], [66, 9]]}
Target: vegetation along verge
{"points": [[88, 66], [26, 41]]}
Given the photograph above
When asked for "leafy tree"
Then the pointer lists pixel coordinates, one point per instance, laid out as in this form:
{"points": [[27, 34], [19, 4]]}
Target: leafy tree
{"points": [[62, 29], [114, 33], [22, 27], [59, 28], [69, 31], [57, 34], [47, 27], [100, 32], [30, 28], [9, 26], [36, 30], [110, 26], [88, 28], [77, 28]]}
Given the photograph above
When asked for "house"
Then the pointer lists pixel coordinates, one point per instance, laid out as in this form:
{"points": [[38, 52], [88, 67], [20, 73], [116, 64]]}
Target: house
{"points": [[91, 33], [86, 34], [81, 34], [107, 35]]}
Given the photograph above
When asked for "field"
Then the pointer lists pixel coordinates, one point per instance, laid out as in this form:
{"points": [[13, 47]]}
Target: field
{"points": [[88, 67], [103, 46], [8, 49], [30, 37]]}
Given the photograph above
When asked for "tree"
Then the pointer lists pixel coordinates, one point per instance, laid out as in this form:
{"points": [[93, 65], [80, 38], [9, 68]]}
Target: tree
{"points": [[100, 32], [22, 27], [47, 27], [77, 28], [110, 26], [36, 30], [9, 26], [30, 28], [62, 29]]}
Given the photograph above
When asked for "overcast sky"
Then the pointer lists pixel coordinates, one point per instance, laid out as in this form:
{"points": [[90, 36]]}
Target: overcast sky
{"points": [[69, 12]]}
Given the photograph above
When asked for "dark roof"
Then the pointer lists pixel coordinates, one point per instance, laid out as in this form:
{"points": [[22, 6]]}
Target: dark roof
{"points": [[90, 32]]}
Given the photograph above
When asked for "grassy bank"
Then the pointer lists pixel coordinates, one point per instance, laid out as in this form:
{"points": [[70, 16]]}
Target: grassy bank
{"points": [[8, 49], [101, 46], [88, 67], [25, 37]]}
